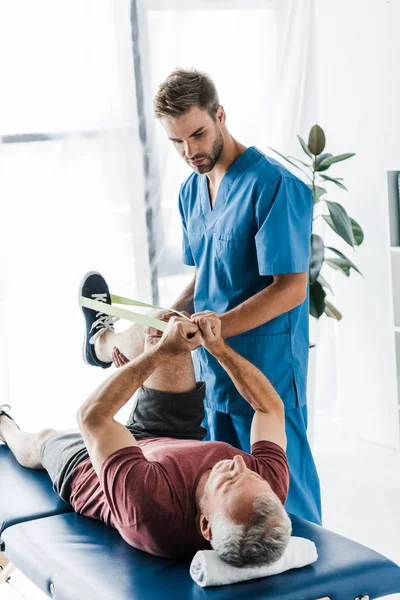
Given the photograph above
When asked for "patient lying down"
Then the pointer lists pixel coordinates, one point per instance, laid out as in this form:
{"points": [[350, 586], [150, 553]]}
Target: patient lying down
{"points": [[165, 490]]}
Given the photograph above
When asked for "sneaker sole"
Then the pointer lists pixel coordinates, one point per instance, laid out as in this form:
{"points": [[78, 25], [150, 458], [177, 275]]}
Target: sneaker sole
{"points": [[79, 295]]}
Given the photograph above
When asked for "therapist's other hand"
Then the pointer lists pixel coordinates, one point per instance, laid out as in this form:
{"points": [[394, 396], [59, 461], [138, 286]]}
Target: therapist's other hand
{"points": [[119, 359], [210, 327], [180, 337]]}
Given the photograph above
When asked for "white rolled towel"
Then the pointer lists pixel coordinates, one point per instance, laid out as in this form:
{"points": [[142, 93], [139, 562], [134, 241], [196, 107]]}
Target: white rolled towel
{"points": [[207, 568]]}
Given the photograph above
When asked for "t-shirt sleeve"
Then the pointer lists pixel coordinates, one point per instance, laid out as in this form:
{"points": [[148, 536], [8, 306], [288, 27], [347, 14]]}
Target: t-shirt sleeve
{"points": [[272, 465], [283, 212], [129, 482], [187, 256]]}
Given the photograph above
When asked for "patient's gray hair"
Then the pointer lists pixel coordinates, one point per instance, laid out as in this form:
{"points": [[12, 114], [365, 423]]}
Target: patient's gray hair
{"points": [[261, 542]]}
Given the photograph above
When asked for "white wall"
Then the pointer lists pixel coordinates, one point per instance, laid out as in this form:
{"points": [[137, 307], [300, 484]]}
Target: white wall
{"points": [[359, 63]]}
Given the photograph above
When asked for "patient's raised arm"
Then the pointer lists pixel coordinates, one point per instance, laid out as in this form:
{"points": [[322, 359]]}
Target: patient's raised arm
{"points": [[269, 419]]}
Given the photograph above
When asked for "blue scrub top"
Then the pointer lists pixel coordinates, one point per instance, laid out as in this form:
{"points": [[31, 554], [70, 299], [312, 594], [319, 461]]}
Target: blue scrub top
{"points": [[260, 226]]}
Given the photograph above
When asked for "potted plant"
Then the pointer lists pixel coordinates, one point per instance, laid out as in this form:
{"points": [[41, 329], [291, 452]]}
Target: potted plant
{"points": [[336, 216], [333, 213]]}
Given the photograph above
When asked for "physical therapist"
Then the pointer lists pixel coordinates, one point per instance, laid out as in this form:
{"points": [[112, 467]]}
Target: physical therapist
{"points": [[246, 228]]}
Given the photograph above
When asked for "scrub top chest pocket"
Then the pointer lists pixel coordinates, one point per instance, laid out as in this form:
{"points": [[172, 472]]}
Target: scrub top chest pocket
{"points": [[235, 260]]}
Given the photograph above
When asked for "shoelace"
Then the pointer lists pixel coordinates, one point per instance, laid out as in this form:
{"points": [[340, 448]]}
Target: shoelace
{"points": [[104, 322]]}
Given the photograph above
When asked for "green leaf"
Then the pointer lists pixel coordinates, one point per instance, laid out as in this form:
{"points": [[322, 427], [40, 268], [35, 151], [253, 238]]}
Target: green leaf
{"points": [[334, 159], [319, 168], [304, 146], [332, 312], [316, 140], [342, 256], [316, 256], [318, 192], [337, 181], [341, 221], [328, 219], [289, 161], [323, 156], [300, 161], [357, 232], [317, 300], [339, 264], [324, 282]]}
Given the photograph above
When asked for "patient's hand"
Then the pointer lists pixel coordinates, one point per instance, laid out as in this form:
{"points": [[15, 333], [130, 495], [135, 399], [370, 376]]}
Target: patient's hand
{"points": [[153, 332], [180, 337]]}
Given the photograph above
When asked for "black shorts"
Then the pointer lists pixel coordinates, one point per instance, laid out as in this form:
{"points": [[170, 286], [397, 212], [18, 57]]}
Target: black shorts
{"points": [[155, 414]]}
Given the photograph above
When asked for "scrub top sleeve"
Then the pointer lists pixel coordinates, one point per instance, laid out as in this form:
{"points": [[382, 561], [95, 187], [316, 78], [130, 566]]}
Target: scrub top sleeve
{"points": [[187, 256], [283, 212]]}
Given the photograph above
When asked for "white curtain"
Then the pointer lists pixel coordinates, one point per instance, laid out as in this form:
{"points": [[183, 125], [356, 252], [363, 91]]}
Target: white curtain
{"points": [[84, 74], [71, 199]]}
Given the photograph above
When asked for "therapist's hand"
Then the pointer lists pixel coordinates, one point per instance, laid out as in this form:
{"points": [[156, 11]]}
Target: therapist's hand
{"points": [[205, 313], [210, 328]]}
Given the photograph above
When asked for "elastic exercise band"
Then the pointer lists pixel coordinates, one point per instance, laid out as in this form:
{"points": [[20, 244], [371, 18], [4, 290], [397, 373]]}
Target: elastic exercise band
{"points": [[110, 309]]}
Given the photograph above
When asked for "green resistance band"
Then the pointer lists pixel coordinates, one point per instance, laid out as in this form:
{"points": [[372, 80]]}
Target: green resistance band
{"points": [[110, 309]]}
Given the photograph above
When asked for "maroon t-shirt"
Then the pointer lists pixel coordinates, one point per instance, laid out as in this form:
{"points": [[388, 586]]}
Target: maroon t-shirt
{"points": [[147, 492]]}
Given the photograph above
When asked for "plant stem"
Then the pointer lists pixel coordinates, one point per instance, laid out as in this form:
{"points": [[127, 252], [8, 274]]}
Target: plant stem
{"points": [[313, 176]]}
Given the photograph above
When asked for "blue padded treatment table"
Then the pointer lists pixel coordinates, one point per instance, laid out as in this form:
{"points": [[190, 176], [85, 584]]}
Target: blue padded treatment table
{"points": [[71, 557], [25, 494], [84, 559]]}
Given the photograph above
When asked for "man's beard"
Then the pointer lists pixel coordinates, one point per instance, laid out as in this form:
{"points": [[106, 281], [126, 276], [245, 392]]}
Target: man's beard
{"points": [[212, 158]]}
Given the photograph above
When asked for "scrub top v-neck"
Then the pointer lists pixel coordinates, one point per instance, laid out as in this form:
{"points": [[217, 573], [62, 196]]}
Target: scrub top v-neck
{"points": [[259, 226]]}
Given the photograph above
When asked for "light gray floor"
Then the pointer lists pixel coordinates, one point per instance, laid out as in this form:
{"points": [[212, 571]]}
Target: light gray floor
{"points": [[361, 497], [360, 485]]}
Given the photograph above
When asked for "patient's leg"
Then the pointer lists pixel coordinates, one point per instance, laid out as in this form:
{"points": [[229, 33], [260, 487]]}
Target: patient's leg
{"points": [[174, 375], [25, 446], [170, 403], [130, 342]]}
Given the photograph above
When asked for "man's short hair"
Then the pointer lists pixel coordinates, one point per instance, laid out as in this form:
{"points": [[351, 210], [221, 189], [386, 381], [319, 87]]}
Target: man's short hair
{"points": [[184, 89], [261, 542]]}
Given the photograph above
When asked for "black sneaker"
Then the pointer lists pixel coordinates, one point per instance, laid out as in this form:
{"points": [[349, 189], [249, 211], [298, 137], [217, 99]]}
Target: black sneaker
{"points": [[4, 409], [94, 286]]}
